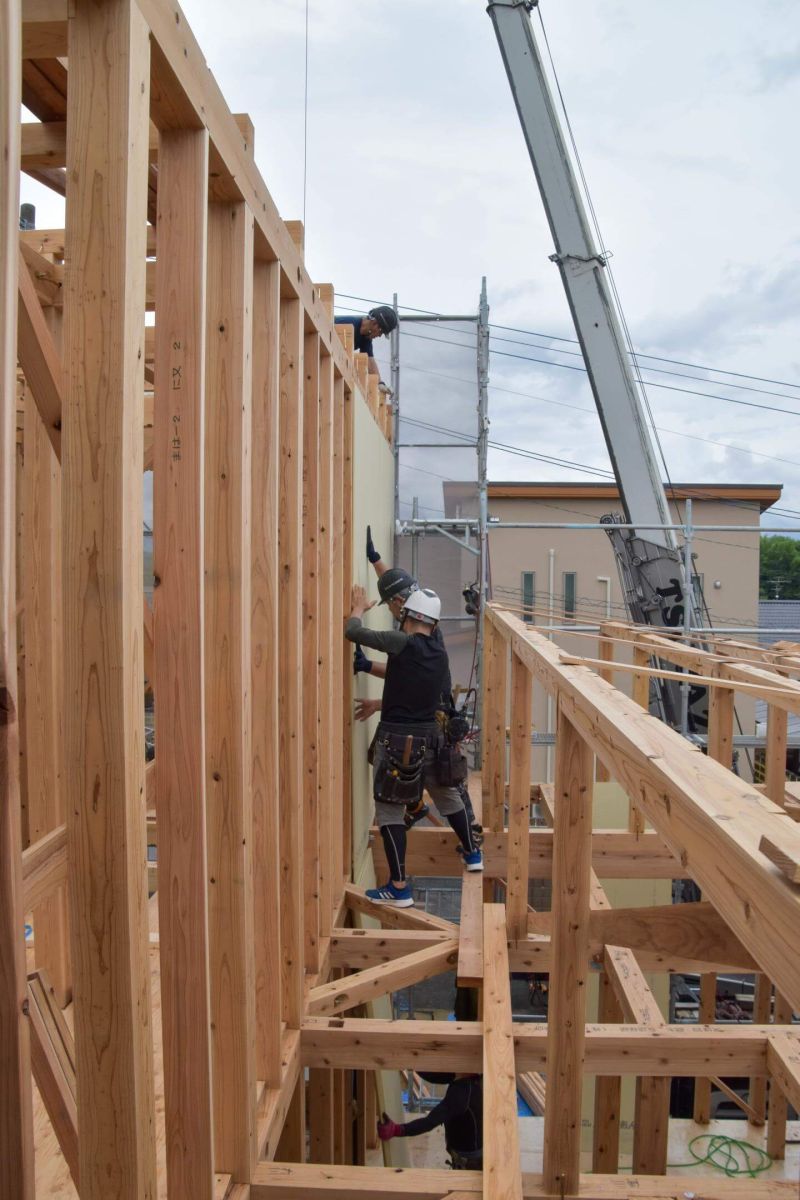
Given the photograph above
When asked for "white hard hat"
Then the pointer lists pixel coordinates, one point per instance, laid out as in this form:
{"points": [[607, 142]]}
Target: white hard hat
{"points": [[423, 605]]}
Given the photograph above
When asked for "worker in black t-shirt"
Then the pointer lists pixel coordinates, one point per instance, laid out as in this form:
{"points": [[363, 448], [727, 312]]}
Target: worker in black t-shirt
{"points": [[461, 1113], [378, 321], [405, 748]]}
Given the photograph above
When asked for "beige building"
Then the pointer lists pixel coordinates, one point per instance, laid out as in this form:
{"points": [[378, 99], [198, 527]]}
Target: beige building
{"points": [[564, 574]]}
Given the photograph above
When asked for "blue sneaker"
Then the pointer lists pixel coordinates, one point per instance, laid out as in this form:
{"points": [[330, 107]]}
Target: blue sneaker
{"points": [[473, 859], [389, 894]]}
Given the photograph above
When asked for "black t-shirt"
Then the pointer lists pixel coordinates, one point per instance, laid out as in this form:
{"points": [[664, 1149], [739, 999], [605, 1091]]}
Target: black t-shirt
{"points": [[461, 1113], [417, 669], [361, 342]]}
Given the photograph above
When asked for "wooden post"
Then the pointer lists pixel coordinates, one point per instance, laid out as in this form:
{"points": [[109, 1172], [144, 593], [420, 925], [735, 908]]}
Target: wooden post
{"points": [[292, 1143], [501, 1163], [320, 1115], [44, 682], [346, 653], [606, 652], [762, 1006], [310, 656], [329, 635], [777, 734], [17, 1177], [720, 748], [495, 724], [265, 678], [178, 629], [607, 1092], [519, 800], [572, 864], [227, 683], [104, 298], [778, 1104], [290, 655], [338, 671]]}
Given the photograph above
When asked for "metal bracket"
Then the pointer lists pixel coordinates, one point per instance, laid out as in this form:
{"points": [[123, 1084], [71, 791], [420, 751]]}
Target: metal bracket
{"points": [[579, 262]]}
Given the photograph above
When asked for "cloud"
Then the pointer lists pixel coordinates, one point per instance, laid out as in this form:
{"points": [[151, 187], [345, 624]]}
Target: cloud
{"points": [[776, 70]]}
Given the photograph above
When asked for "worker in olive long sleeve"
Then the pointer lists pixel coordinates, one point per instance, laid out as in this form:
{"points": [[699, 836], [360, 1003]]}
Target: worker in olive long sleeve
{"points": [[461, 1113], [405, 744]]}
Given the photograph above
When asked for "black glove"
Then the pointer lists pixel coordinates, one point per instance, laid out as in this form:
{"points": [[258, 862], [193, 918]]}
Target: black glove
{"points": [[361, 662], [372, 554]]}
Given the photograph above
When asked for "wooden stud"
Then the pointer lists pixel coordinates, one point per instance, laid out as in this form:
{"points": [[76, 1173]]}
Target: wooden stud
{"points": [[519, 800], [607, 1092], [339, 669], [501, 1163], [470, 932], [762, 1008], [374, 982], [16, 1128], [778, 1103], [606, 653], [39, 358], [777, 735], [320, 1115], [290, 712], [572, 851], [495, 710], [178, 634], [104, 293], [292, 1144], [310, 652], [44, 683], [329, 635], [227, 681], [706, 1014], [265, 680], [348, 435], [53, 1063]]}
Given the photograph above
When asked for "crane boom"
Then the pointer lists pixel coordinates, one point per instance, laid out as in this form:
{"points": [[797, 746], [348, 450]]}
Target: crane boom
{"points": [[650, 564]]}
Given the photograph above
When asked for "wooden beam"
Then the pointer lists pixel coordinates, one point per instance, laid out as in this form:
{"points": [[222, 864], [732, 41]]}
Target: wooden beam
{"points": [[469, 972], [104, 290], [692, 1050], [227, 695], [289, 1181], [519, 800], [783, 1064], [310, 653], [290, 713], [572, 864], [265, 679], [786, 1069], [178, 635], [501, 1162], [785, 854], [39, 359], [374, 982], [616, 854], [683, 794], [44, 867], [359, 948], [639, 1005], [17, 1174], [396, 918]]}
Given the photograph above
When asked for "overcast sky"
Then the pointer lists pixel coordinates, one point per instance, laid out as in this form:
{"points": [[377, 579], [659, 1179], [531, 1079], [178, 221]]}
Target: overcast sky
{"points": [[419, 183]]}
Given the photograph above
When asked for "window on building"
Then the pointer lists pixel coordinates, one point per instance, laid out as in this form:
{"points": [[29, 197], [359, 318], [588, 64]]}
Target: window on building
{"points": [[528, 595], [570, 593]]}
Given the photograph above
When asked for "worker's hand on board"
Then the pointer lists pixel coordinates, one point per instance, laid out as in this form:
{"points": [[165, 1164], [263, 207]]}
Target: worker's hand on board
{"points": [[361, 662], [359, 604], [372, 554], [366, 709], [385, 390], [387, 1128]]}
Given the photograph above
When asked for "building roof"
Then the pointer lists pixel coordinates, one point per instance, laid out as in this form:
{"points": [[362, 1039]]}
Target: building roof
{"points": [[778, 614], [764, 494]]}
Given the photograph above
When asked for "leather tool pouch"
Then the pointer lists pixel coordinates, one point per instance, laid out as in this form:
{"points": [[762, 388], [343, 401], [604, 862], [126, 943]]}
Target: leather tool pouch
{"points": [[451, 765], [399, 776]]}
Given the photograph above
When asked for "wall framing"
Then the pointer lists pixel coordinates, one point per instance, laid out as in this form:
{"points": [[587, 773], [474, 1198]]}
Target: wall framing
{"points": [[242, 399]]}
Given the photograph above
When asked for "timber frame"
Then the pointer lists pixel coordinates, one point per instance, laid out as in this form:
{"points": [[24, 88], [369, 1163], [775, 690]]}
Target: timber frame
{"points": [[241, 398]]}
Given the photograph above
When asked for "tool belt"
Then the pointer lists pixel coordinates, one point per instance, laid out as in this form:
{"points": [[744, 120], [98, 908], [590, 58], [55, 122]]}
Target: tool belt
{"points": [[465, 1160], [400, 773]]}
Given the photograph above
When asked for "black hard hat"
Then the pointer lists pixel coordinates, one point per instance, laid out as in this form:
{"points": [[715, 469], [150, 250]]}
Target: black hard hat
{"points": [[395, 582], [385, 316]]}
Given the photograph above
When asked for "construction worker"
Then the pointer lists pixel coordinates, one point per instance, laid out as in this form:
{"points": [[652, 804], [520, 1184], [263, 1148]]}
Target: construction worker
{"points": [[461, 1113], [404, 760], [378, 321]]}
